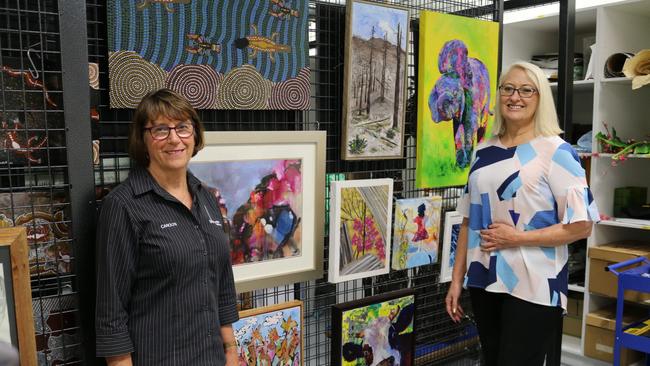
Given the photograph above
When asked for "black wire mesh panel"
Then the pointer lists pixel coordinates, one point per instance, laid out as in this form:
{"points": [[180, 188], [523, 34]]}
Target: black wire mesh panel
{"points": [[438, 339], [34, 191]]}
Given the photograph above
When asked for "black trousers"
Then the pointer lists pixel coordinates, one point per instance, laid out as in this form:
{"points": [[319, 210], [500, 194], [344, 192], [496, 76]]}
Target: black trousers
{"points": [[514, 332]]}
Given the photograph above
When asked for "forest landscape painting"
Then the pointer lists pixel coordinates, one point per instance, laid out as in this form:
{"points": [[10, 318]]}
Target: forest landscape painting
{"points": [[416, 232], [270, 336], [375, 81], [377, 330], [360, 227], [261, 201]]}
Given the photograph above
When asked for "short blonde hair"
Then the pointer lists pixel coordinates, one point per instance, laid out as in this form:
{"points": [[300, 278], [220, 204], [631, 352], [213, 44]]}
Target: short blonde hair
{"points": [[545, 119]]}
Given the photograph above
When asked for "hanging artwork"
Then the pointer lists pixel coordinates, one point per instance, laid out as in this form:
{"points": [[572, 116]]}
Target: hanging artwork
{"points": [[270, 335], [43, 214], [457, 79], [360, 226], [453, 219], [271, 189], [218, 54], [376, 330], [416, 232], [375, 81]]}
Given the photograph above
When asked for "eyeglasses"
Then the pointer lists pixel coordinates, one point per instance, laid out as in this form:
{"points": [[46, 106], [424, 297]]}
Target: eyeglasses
{"points": [[183, 130], [524, 91]]}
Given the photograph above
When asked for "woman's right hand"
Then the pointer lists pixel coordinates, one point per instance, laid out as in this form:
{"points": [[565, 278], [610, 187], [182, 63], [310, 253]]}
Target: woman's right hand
{"points": [[454, 309]]}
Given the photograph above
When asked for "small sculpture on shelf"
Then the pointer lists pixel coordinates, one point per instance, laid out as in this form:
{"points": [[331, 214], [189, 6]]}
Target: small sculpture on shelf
{"points": [[610, 143]]}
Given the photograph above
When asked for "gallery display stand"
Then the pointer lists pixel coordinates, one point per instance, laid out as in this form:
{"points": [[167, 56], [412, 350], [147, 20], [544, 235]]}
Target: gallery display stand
{"points": [[618, 27]]}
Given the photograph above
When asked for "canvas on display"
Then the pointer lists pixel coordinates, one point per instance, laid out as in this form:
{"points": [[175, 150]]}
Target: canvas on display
{"points": [[457, 77], [375, 81], [218, 54], [416, 232], [360, 227], [376, 330], [453, 220], [271, 335]]}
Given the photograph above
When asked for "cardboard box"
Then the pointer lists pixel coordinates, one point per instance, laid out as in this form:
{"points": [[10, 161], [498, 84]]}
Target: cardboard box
{"points": [[599, 334], [606, 283], [572, 326]]}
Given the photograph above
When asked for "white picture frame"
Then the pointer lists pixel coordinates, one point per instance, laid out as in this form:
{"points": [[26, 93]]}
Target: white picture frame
{"points": [[372, 200], [453, 219]]}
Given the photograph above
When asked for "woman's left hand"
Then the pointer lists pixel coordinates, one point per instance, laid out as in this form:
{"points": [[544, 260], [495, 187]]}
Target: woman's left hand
{"points": [[499, 236]]}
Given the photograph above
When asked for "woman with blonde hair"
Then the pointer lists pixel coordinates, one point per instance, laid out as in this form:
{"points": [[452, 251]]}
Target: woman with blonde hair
{"points": [[526, 198]]}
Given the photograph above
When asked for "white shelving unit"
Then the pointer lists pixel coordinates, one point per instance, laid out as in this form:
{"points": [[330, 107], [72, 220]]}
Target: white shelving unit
{"points": [[619, 27]]}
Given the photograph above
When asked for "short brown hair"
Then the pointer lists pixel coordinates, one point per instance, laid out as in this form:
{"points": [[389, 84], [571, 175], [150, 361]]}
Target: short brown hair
{"points": [[162, 102]]}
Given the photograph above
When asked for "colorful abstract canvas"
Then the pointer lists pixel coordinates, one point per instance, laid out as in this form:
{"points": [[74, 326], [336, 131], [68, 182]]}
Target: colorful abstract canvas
{"points": [[377, 330], [416, 232], [261, 202], [270, 336], [375, 81], [457, 79], [453, 220], [218, 54], [360, 227]]}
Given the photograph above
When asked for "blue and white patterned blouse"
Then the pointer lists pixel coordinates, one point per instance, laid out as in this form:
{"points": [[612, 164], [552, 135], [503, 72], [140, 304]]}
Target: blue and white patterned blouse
{"points": [[529, 186]]}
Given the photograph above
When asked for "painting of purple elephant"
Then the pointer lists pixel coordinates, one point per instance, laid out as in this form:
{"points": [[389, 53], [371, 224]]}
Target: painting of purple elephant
{"points": [[456, 95], [375, 81]]}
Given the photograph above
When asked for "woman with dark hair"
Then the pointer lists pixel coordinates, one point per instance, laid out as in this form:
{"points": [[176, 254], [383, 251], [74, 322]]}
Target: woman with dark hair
{"points": [[165, 289]]}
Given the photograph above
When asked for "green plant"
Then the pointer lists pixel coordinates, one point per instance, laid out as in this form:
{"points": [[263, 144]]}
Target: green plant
{"points": [[391, 133], [357, 145]]}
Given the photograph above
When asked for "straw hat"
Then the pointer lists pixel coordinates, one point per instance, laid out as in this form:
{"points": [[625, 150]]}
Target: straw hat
{"points": [[638, 68]]}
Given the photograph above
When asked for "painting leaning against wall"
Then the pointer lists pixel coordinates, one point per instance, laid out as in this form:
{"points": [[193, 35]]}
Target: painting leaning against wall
{"points": [[456, 95], [375, 81], [218, 54]]}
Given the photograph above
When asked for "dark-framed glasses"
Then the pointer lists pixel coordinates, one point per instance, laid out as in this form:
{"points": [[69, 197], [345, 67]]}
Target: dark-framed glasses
{"points": [[183, 130], [524, 91]]}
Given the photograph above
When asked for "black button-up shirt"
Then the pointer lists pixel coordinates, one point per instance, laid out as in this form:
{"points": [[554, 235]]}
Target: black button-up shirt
{"points": [[164, 278]]}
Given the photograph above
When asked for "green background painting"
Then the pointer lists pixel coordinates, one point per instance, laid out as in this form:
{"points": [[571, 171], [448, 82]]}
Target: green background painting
{"points": [[436, 162]]}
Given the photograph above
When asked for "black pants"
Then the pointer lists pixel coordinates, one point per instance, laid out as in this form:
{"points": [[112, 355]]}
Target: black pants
{"points": [[514, 332]]}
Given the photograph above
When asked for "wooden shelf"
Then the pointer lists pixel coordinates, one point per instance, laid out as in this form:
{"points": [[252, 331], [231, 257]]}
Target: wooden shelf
{"points": [[628, 223], [621, 80], [578, 85]]}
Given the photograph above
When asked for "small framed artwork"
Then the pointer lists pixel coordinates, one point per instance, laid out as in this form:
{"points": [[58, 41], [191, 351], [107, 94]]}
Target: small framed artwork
{"points": [[360, 227], [271, 335], [416, 232], [16, 318], [453, 219], [375, 81], [376, 330], [271, 191]]}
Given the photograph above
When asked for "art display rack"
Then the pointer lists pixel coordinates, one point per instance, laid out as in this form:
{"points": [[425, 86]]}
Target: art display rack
{"points": [[72, 33]]}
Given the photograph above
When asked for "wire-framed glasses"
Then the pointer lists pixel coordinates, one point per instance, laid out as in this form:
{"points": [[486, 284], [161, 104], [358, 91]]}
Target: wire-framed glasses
{"points": [[183, 130], [524, 91]]}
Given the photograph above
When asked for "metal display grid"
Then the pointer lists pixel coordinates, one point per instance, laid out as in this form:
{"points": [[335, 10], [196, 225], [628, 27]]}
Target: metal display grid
{"points": [[24, 23]]}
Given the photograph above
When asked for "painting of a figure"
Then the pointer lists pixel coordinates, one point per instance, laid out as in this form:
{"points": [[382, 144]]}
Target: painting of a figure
{"points": [[375, 331], [218, 54], [261, 202], [416, 232], [456, 95], [375, 81], [270, 336], [453, 220], [360, 230]]}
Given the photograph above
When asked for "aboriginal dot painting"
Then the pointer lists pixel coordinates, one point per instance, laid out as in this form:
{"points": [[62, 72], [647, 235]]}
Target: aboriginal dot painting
{"points": [[237, 54]]}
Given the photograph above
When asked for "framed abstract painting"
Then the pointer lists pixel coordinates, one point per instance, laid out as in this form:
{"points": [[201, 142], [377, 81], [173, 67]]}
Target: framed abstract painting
{"points": [[376, 330], [271, 335], [453, 219], [416, 232], [16, 317], [271, 191], [360, 227], [218, 54], [374, 88], [457, 79]]}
